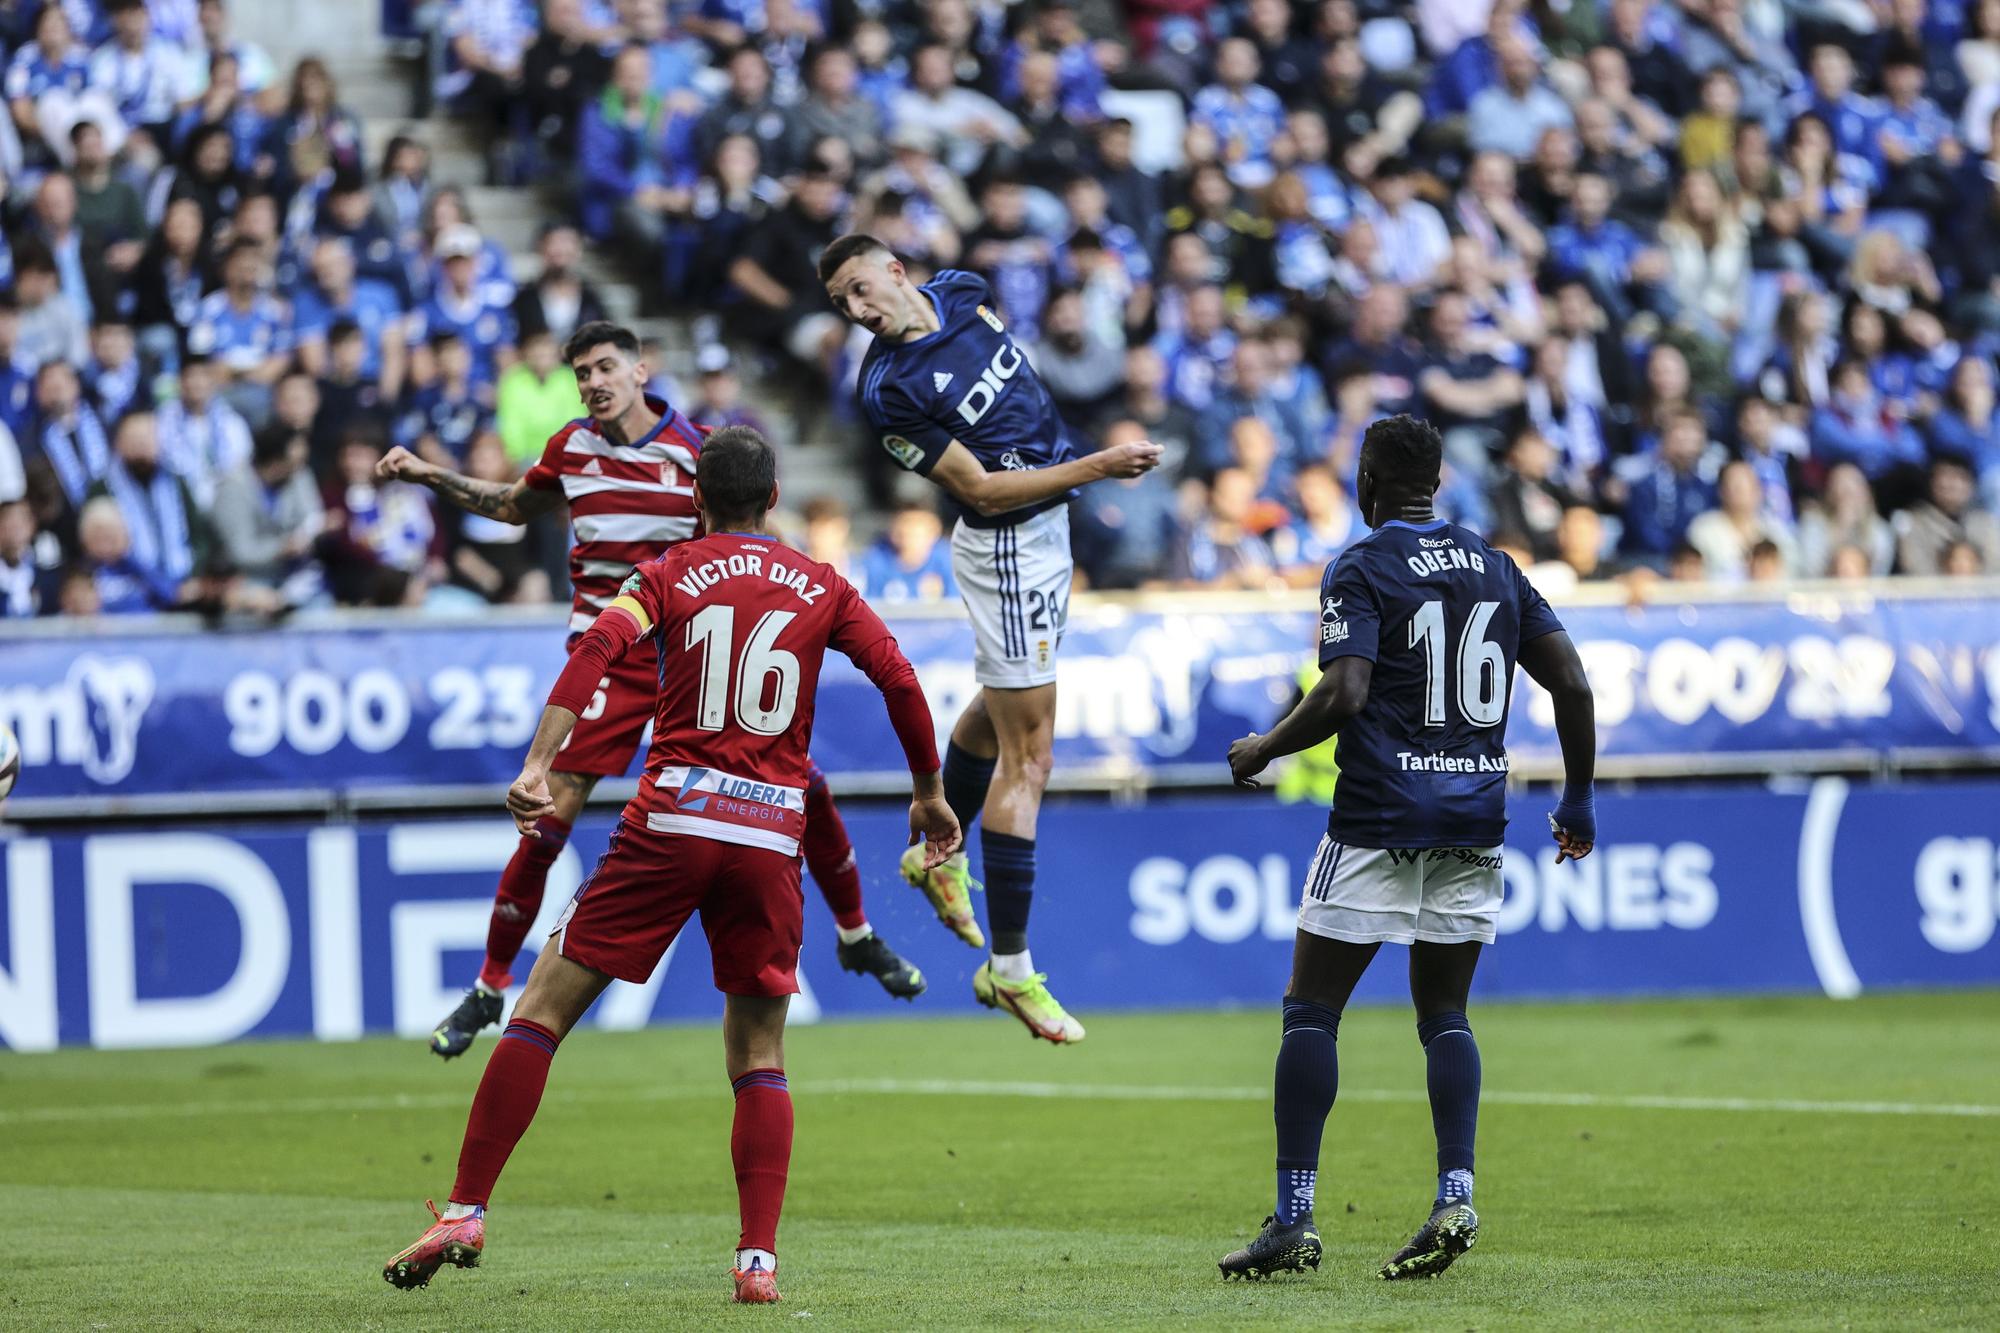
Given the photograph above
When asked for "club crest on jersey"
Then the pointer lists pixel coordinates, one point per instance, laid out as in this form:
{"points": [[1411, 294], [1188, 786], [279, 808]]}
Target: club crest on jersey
{"points": [[903, 451], [992, 319], [631, 583]]}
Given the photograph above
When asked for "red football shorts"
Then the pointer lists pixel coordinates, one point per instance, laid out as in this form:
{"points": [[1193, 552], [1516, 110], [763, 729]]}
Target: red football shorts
{"points": [[648, 884], [608, 731]]}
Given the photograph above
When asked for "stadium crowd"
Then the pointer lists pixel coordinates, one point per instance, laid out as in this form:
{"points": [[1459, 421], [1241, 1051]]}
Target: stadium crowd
{"points": [[1701, 289]]}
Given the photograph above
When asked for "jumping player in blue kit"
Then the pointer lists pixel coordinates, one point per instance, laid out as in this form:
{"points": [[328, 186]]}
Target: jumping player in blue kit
{"points": [[952, 397], [1421, 624]]}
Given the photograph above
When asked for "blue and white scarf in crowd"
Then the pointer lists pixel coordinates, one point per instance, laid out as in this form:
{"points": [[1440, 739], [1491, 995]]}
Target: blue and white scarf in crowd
{"points": [[156, 514]]}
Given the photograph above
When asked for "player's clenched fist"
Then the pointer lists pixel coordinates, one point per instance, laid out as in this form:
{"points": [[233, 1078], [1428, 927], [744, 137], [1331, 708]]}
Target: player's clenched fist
{"points": [[528, 800], [1247, 760], [1129, 460], [399, 464]]}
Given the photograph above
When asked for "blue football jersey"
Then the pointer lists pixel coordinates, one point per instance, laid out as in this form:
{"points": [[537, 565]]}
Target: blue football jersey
{"points": [[1443, 617], [968, 382]]}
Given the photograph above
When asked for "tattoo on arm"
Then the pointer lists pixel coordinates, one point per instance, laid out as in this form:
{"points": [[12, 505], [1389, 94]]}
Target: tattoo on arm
{"points": [[492, 498]]}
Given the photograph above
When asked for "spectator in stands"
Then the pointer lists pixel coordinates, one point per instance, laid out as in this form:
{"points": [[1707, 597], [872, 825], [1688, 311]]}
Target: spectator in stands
{"points": [[493, 559], [967, 122], [747, 107], [50, 326], [1511, 115], [383, 546], [1219, 550], [1967, 426], [1126, 529], [561, 68], [17, 373], [559, 301], [349, 401], [245, 330], [86, 282], [1289, 62], [314, 133], [471, 311], [1467, 393], [1949, 516], [537, 397], [403, 191], [1328, 524], [1415, 242], [202, 438], [1580, 544], [1670, 492], [347, 213], [1729, 535], [48, 85], [1525, 497], [1247, 393], [826, 532], [116, 581], [168, 532], [1845, 519], [489, 41], [440, 419], [71, 437], [114, 382], [1708, 258], [109, 212], [144, 73], [718, 400], [1133, 197], [781, 303], [336, 296], [255, 71], [1773, 448], [1857, 426], [169, 281], [835, 106], [625, 150], [268, 518], [911, 562], [1197, 357], [1624, 274], [492, 268], [1244, 115], [24, 584], [1078, 367]]}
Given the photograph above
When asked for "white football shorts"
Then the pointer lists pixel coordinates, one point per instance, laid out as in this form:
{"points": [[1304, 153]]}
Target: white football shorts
{"points": [[1015, 585], [1366, 895]]}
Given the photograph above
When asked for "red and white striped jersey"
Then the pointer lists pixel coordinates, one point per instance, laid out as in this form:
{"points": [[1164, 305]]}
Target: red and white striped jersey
{"points": [[627, 502]]}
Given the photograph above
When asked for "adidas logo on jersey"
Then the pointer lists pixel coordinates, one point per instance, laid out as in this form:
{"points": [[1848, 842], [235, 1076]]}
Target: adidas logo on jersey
{"points": [[593, 468], [940, 380]]}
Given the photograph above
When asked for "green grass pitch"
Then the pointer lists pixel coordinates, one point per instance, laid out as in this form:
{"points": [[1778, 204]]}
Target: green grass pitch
{"points": [[1655, 1165]]}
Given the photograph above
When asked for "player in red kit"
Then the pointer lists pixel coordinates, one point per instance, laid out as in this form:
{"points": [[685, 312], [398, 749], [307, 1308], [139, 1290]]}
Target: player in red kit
{"points": [[625, 472], [741, 624]]}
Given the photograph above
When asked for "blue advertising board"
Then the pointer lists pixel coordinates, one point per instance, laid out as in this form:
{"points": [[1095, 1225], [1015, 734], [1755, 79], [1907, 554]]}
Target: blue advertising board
{"points": [[202, 934], [1157, 690]]}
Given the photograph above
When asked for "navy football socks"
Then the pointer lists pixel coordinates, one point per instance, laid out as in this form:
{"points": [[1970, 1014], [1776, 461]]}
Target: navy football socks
{"points": [[1307, 1078], [1009, 870], [1452, 1060], [966, 778]]}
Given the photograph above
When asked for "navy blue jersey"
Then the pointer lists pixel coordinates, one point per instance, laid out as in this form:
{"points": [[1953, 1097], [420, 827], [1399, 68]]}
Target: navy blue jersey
{"points": [[967, 382], [1443, 617]]}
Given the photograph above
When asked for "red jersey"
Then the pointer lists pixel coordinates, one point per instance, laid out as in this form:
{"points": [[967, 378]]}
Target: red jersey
{"points": [[626, 501], [742, 624]]}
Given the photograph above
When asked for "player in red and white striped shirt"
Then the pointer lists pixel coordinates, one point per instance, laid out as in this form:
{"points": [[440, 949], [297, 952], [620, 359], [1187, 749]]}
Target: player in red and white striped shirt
{"points": [[626, 471]]}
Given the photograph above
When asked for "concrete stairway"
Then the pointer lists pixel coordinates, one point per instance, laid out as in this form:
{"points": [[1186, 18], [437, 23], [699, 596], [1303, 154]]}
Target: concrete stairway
{"points": [[379, 88]]}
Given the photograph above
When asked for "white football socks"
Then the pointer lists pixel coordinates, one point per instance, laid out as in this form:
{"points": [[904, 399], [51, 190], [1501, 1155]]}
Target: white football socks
{"points": [[454, 1211], [745, 1258], [1014, 966], [860, 932]]}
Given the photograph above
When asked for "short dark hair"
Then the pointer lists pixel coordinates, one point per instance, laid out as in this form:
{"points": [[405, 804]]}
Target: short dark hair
{"points": [[271, 444], [597, 333], [736, 472], [1404, 454], [341, 330], [845, 248]]}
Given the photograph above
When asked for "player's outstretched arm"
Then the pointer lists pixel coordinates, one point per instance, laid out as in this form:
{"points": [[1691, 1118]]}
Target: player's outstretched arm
{"points": [[1551, 661], [1340, 693], [968, 481], [617, 629], [510, 502]]}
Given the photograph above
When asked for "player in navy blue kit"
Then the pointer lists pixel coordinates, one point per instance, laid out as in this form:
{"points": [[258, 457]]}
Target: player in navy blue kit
{"points": [[953, 398], [1421, 623]]}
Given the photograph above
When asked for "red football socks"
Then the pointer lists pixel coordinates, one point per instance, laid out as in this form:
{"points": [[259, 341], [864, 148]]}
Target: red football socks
{"points": [[520, 898], [830, 856], [761, 1145], [504, 1106]]}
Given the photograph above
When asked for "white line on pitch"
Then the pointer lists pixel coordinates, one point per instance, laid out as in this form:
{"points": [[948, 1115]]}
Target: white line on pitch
{"points": [[432, 1101]]}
